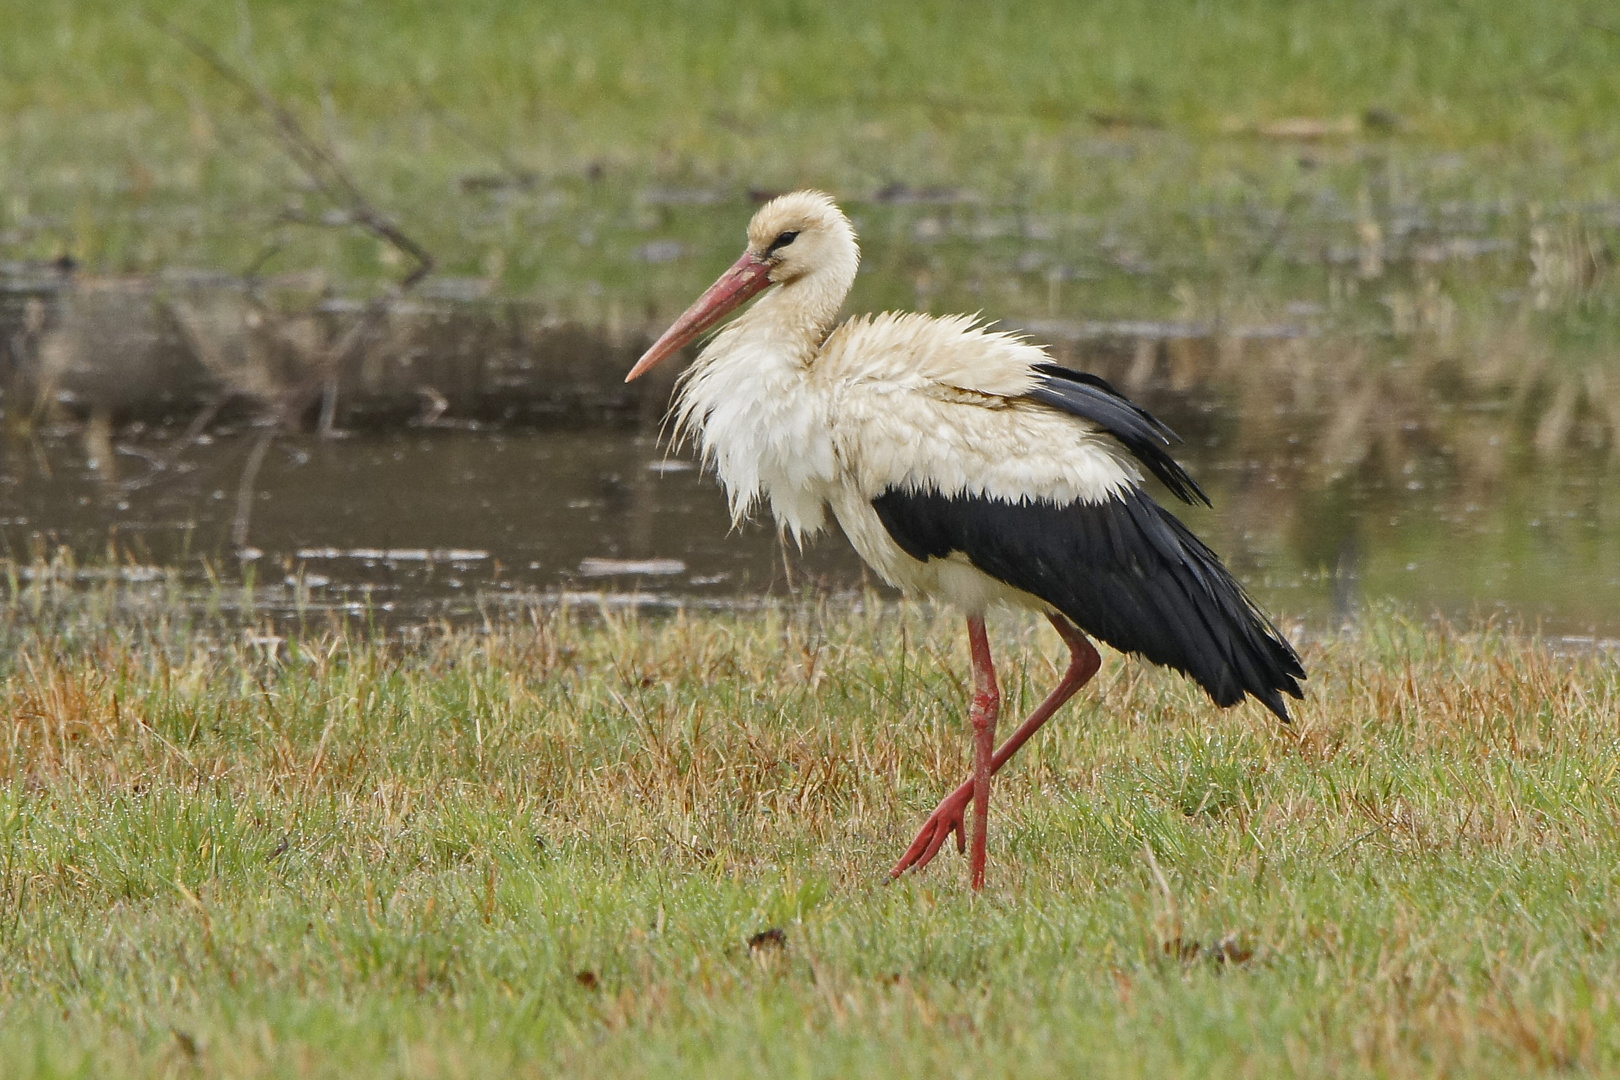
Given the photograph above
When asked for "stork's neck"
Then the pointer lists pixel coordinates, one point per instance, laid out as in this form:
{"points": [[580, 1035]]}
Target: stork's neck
{"points": [[797, 315], [749, 400]]}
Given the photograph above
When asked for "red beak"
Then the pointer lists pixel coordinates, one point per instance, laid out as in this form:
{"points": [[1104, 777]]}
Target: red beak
{"points": [[747, 276]]}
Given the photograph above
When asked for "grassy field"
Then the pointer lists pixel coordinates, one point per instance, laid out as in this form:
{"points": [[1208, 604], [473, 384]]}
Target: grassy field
{"points": [[593, 846], [542, 146], [563, 847]]}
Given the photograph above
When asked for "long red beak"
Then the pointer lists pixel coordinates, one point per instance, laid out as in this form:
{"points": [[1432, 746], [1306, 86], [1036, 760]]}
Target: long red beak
{"points": [[747, 276]]}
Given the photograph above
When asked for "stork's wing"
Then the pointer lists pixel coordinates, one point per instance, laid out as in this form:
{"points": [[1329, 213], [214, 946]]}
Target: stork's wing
{"points": [[1122, 569], [1092, 398], [941, 403]]}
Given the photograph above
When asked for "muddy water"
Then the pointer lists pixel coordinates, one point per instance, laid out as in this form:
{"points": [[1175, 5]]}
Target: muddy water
{"points": [[1420, 410], [419, 524]]}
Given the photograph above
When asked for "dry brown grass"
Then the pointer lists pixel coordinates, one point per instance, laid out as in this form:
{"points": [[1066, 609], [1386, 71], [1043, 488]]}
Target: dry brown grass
{"points": [[574, 835]]}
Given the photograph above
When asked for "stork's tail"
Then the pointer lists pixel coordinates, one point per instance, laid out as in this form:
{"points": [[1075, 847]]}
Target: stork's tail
{"points": [[1124, 570], [1194, 616]]}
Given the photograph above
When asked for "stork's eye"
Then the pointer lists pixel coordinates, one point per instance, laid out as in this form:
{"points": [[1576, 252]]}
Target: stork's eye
{"points": [[782, 240]]}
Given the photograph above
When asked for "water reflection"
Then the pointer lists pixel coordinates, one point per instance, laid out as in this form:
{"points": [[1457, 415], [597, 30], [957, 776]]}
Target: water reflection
{"points": [[447, 522], [422, 522]]}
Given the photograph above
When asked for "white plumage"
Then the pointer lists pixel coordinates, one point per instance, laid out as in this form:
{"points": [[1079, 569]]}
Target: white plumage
{"points": [[895, 401], [963, 465]]}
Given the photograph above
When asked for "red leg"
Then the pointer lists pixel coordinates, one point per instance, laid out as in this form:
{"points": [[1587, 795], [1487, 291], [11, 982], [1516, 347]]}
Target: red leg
{"points": [[948, 817], [986, 710]]}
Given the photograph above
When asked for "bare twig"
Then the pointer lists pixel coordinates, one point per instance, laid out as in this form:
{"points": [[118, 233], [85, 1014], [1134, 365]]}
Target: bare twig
{"points": [[1279, 229], [318, 162], [245, 486], [332, 180], [261, 260]]}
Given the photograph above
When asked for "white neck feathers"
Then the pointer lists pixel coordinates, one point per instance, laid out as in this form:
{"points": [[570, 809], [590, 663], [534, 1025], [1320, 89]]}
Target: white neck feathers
{"points": [[750, 405]]}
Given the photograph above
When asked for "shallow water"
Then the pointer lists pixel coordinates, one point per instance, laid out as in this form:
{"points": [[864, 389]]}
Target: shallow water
{"points": [[423, 522], [413, 525], [1419, 407]]}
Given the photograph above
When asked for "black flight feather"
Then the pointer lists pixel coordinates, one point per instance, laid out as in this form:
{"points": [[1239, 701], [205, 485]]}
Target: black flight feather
{"points": [[1139, 431], [1124, 570]]}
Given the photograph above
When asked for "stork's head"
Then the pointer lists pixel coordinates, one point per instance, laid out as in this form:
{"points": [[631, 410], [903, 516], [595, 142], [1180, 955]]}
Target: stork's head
{"points": [[800, 240], [801, 233]]}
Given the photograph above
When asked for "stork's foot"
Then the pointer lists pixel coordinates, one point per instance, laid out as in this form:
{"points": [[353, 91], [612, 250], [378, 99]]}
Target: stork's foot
{"points": [[950, 816]]}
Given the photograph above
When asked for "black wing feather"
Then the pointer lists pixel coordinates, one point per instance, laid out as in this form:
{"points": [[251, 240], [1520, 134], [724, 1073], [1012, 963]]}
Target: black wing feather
{"points": [[1124, 570], [1139, 431]]}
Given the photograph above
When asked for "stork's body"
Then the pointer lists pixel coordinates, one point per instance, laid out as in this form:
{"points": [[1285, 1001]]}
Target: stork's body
{"points": [[965, 466]]}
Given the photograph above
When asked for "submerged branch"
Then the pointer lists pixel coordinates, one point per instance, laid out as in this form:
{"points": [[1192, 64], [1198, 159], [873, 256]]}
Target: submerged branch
{"points": [[245, 487]]}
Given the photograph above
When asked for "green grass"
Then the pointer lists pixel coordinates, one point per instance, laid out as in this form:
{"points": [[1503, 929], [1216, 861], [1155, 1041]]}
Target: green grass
{"points": [[1126, 118], [674, 77], [543, 848]]}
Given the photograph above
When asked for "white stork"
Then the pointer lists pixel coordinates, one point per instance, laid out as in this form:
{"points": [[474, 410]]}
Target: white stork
{"points": [[963, 465]]}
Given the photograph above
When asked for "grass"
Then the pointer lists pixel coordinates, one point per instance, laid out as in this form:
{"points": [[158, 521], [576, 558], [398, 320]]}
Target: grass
{"points": [[551, 848], [538, 144], [544, 848]]}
